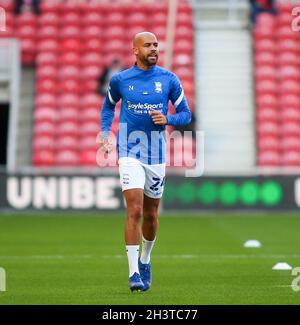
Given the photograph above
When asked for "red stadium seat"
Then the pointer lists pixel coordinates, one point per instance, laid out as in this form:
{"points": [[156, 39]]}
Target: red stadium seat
{"points": [[291, 158], [50, 6], [265, 58], [266, 87], [28, 31], [90, 114], [65, 128], [184, 7], [70, 7], [287, 100], [46, 100], [89, 128], [67, 142], [44, 157], [268, 128], [288, 58], [290, 114], [159, 18], [69, 86], [291, 128], [28, 45], [284, 19], [45, 58], [183, 46], [93, 19], [46, 128], [70, 45], [265, 45], [47, 45], [266, 19], [91, 100], [69, 72], [49, 19], [266, 143], [67, 158], [46, 72], [69, 99], [71, 19], [48, 114], [269, 158], [68, 113], [47, 32], [288, 45], [290, 143], [158, 6], [289, 72], [290, 87], [286, 32], [183, 19], [262, 33], [182, 60], [89, 86], [136, 7], [88, 142], [185, 32], [92, 58], [184, 72], [46, 86], [43, 142], [114, 18], [160, 31], [88, 157], [69, 58], [115, 46], [267, 114], [92, 45], [115, 32], [266, 100], [136, 18], [91, 72], [26, 18], [93, 31], [70, 32], [265, 72]]}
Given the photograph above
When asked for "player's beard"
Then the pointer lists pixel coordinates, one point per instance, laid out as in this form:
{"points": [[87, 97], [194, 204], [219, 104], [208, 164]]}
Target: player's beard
{"points": [[150, 62]]}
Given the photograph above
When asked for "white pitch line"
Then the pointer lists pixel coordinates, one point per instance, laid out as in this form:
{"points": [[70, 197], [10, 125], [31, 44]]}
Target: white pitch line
{"points": [[171, 256]]}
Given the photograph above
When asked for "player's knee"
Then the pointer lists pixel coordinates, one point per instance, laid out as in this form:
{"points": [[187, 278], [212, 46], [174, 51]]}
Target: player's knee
{"points": [[150, 214], [135, 212]]}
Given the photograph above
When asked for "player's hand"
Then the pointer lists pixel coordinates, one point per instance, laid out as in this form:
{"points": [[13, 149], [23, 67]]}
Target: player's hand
{"points": [[106, 145], [158, 117]]}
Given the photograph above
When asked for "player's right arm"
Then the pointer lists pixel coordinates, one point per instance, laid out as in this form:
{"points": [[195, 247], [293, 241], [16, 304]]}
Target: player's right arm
{"points": [[108, 112]]}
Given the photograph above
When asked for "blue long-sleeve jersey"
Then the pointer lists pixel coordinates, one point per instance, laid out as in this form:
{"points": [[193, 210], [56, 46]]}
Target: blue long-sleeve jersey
{"points": [[142, 91]]}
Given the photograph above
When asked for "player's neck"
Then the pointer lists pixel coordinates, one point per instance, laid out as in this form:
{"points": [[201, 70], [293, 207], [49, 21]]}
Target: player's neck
{"points": [[143, 66]]}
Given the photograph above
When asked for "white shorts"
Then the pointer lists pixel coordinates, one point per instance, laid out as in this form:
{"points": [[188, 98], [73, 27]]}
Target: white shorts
{"points": [[150, 178]]}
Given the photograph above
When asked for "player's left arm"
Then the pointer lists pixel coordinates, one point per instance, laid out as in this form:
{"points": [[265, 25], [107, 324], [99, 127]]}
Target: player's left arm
{"points": [[183, 114]]}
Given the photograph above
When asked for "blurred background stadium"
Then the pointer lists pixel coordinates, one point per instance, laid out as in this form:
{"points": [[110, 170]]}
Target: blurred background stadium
{"points": [[239, 63]]}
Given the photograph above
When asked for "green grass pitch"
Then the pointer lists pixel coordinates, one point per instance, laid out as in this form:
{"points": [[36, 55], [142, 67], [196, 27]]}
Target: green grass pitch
{"points": [[80, 259]]}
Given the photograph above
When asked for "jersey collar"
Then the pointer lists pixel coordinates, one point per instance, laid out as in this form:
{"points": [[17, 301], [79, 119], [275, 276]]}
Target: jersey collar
{"points": [[146, 71]]}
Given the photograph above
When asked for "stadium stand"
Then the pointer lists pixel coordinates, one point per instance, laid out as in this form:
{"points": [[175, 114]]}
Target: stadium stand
{"points": [[277, 77], [69, 43]]}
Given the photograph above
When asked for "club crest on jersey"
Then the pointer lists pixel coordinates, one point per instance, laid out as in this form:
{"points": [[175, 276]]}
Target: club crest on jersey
{"points": [[158, 87]]}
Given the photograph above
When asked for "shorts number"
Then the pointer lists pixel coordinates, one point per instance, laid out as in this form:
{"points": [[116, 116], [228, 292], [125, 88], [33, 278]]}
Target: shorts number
{"points": [[158, 183]]}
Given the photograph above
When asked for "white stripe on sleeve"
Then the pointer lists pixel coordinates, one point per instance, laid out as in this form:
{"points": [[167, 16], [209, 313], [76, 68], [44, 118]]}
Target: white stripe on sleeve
{"points": [[111, 99], [179, 99]]}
